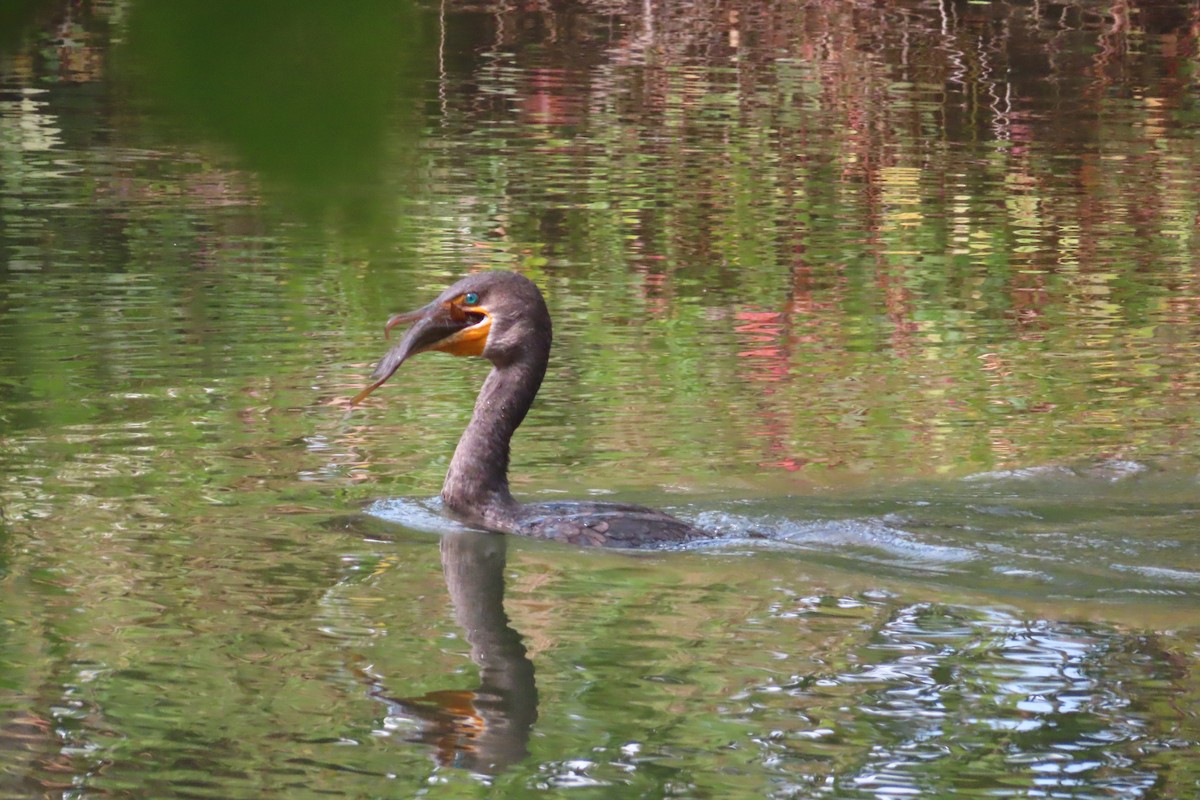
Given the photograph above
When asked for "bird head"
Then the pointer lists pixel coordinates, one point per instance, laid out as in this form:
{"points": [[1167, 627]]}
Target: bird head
{"points": [[500, 316]]}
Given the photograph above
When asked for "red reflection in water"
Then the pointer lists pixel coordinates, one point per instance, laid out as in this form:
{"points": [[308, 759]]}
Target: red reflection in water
{"points": [[764, 328], [766, 364], [551, 98]]}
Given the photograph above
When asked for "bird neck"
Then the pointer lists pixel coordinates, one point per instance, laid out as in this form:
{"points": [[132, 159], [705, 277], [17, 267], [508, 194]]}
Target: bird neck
{"points": [[476, 484]]}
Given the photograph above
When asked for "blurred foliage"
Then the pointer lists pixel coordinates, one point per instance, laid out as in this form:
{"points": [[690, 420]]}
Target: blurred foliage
{"points": [[308, 96]]}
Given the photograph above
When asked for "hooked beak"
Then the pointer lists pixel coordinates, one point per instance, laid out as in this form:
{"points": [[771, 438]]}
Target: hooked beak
{"points": [[442, 325]]}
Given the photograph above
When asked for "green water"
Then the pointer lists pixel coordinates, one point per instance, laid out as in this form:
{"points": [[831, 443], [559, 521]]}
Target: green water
{"points": [[901, 301]]}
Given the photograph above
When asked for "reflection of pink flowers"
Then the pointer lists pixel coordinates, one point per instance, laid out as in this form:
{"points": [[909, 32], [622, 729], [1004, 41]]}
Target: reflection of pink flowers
{"points": [[653, 284], [754, 319], [766, 330], [549, 100], [790, 464], [767, 363]]}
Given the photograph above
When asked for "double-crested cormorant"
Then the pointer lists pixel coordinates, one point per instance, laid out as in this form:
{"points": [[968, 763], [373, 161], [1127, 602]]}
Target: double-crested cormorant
{"points": [[503, 317]]}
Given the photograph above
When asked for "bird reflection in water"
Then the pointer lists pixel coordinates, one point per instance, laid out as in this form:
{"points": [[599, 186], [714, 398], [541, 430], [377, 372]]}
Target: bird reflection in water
{"points": [[487, 729]]}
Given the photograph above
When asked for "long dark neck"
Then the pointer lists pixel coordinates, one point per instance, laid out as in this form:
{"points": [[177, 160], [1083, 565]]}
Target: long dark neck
{"points": [[476, 485]]}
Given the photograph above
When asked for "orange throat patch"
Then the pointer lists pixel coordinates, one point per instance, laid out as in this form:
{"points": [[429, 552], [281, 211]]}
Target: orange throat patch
{"points": [[469, 341]]}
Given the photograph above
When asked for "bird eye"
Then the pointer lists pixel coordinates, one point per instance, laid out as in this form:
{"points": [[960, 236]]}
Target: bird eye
{"points": [[470, 298]]}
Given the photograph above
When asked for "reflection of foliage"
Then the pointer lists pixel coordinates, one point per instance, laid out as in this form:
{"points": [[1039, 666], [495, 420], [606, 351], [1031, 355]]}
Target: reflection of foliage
{"points": [[834, 250], [933, 262], [835, 240]]}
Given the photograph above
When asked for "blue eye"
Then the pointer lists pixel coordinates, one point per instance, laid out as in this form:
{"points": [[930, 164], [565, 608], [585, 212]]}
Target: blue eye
{"points": [[470, 298]]}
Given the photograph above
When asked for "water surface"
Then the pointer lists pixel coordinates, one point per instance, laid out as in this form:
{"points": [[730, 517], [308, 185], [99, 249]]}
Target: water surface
{"points": [[902, 302]]}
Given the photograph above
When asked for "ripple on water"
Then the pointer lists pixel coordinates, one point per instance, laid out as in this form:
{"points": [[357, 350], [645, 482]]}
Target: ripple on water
{"points": [[866, 538], [1108, 470], [1185, 576], [1062, 693], [426, 516]]}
